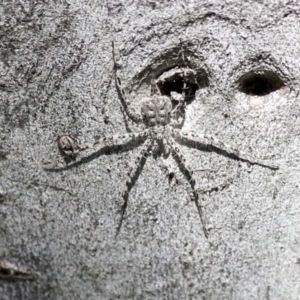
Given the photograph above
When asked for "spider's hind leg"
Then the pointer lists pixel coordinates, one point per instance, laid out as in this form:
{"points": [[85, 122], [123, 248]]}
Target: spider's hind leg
{"points": [[188, 173], [220, 147], [131, 176]]}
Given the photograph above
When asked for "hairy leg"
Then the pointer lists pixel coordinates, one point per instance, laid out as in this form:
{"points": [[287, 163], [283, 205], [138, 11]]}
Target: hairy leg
{"points": [[209, 140], [188, 173], [119, 139], [130, 175], [131, 112]]}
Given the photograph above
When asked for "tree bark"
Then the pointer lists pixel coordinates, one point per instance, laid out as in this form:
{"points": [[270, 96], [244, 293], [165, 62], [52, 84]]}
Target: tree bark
{"points": [[59, 216]]}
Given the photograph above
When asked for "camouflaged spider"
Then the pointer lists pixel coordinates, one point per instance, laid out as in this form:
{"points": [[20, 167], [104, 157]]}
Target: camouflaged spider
{"points": [[160, 121]]}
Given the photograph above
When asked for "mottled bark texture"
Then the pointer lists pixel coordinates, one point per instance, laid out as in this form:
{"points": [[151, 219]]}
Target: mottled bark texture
{"points": [[57, 77]]}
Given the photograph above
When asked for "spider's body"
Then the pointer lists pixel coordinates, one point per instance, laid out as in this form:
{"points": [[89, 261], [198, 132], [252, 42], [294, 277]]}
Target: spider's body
{"points": [[163, 121], [156, 116], [160, 117]]}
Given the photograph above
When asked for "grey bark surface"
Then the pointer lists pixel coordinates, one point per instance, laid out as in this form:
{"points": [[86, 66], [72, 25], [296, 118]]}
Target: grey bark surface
{"points": [[56, 76]]}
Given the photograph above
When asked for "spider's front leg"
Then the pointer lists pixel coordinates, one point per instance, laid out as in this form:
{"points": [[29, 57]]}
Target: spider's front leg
{"points": [[185, 90], [68, 146], [138, 164], [120, 139], [210, 141], [177, 114], [180, 98], [189, 175], [131, 112]]}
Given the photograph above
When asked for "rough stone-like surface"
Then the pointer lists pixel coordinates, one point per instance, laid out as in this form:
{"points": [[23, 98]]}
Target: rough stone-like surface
{"points": [[56, 76]]}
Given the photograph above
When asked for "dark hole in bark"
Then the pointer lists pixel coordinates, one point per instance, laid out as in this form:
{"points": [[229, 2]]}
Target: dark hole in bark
{"points": [[177, 86], [259, 84], [171, 176]]}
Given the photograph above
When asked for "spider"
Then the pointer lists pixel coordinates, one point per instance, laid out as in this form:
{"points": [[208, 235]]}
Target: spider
{"points": [[160, 122]]}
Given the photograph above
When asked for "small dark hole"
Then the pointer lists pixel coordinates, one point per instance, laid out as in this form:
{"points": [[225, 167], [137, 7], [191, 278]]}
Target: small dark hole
{"points": [[241, 224], [259, 84], [171, 176], [106, 120]]}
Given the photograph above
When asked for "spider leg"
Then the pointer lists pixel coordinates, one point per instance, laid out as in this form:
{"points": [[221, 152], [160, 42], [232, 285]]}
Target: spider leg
{"points": [[132, 172], [187, 171], [114, 140], [154, 89], [177, 114], [128, 121], [132, 113], [217, 188], [180, 98], [105, 145], [213, 142]]}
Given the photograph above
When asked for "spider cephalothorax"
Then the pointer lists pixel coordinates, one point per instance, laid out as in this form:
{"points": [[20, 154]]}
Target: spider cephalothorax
{"points": [[163, 116], [156, 110]]}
